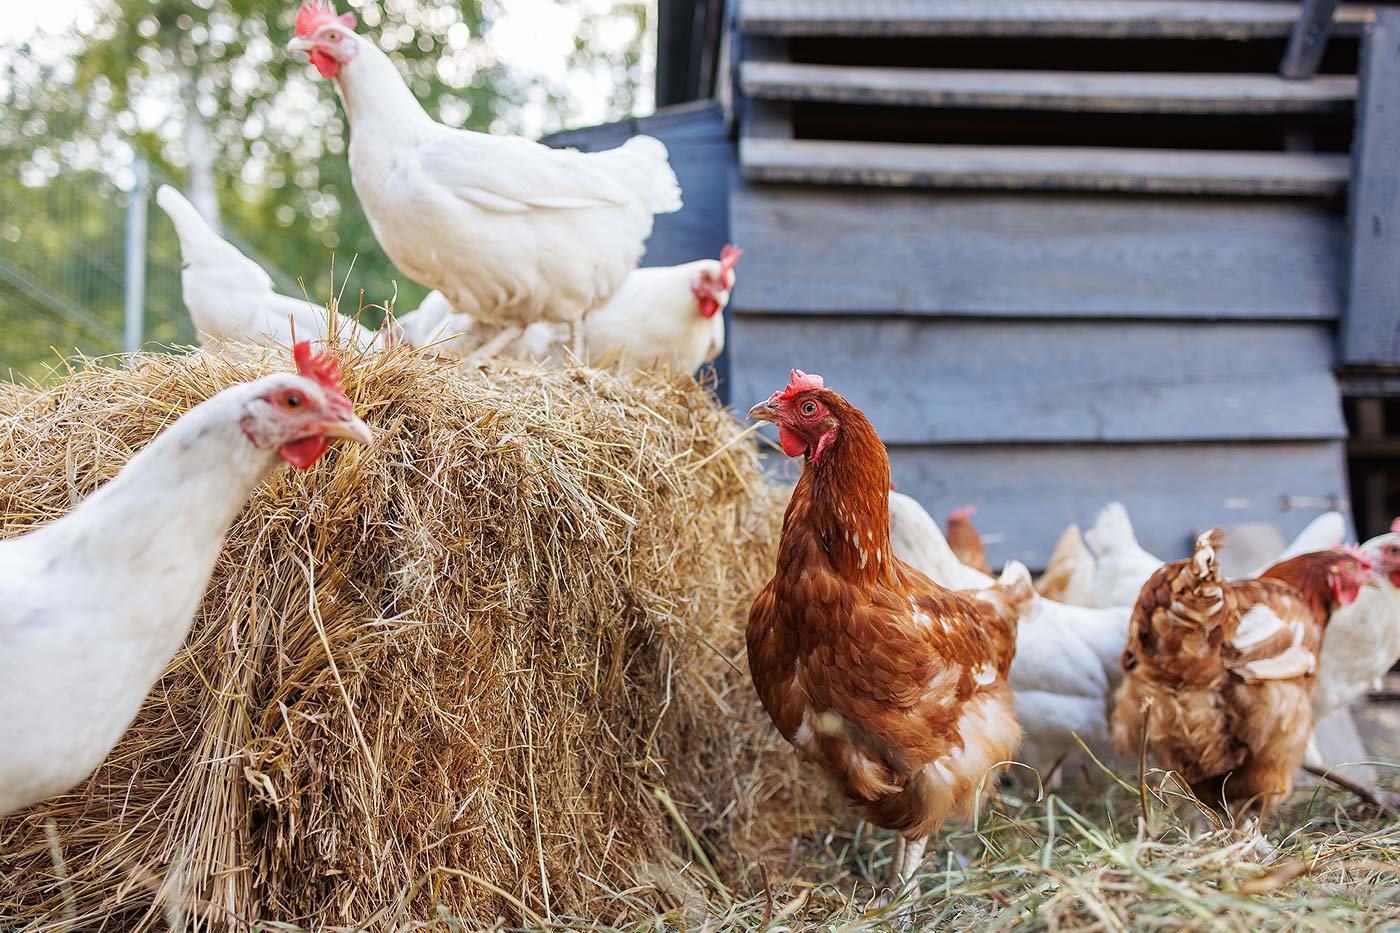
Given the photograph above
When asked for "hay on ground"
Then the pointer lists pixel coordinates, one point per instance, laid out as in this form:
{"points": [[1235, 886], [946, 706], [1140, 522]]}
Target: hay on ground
{"points": [[456, 668]]}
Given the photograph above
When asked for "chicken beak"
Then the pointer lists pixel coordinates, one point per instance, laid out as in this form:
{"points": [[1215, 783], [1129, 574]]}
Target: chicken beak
{"points": [[298, 44], [352, 429], [764, 411]]}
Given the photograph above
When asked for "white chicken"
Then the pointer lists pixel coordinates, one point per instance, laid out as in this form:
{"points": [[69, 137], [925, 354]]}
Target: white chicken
{"points": [[1067, 657], [1069, 576], [1124, 566], [1361, 645], [510, 231], [433, 327], [94, 605], [671, 316], [230, 297]]}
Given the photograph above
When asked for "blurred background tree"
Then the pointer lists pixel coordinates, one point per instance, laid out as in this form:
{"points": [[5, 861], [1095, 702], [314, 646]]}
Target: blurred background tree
{"points": [[205, 93]]}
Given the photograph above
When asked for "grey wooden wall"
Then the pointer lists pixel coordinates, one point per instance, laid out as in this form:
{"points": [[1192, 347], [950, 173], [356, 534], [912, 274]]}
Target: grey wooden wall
{"points": [[1039, 355]]}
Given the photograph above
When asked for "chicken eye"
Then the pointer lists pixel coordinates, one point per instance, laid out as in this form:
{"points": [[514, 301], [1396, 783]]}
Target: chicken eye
{"points": [[293, 400], [809, 409], [332, 36]]}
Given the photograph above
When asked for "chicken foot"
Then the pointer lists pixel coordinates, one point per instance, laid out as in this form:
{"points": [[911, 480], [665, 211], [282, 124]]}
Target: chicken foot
{"points": [[504, 338], [907, 859], [1386, 801]]}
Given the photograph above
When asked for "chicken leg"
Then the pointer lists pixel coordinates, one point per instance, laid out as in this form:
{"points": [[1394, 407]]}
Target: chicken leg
{"points": [[904, 864], [504, 338], [576, 338]]}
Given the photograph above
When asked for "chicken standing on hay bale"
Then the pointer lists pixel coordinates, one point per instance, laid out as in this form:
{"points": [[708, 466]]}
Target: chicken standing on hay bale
{"points": [[94, 605], [510, 231], [1219, 674], [895, 685], [456, 672]]}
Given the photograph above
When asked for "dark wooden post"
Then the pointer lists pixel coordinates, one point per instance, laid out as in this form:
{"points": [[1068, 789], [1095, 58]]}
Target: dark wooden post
{"points": [[1371, 326], [1309, 39]]}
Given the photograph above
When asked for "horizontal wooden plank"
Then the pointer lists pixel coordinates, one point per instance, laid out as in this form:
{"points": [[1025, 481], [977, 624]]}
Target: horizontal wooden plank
{"points": [[1120, 92], [829, 250], [1044, 168], [963, 382], [1194, 19], [1027, 495]]}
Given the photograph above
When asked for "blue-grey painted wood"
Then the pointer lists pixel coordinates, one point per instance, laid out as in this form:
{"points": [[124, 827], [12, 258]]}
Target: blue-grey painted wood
{"points": [[1043, 168], [1027, 494], [840, 250], [1308, 40], [702, 155], [1371, 326], [1190, 19], [960, 381]]}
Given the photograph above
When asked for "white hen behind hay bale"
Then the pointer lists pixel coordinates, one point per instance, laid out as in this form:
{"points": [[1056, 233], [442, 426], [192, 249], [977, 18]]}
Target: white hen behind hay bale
{"points": [[449, 669]]}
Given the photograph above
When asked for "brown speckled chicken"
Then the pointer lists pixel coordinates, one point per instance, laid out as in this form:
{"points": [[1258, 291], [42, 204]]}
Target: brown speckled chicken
{"points": [[893, 684], [1219, 675]]}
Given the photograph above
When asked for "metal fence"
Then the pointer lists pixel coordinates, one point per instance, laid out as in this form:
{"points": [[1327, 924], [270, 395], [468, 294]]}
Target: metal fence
{"points": [[87, 266]]}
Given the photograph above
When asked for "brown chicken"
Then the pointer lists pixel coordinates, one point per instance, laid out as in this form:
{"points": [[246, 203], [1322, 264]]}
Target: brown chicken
{"points": [[965, 540], [1219, 675], [893, 684]]}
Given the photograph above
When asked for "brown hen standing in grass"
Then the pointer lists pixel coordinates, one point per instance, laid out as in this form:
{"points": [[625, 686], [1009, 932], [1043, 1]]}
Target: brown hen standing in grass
{"points": [[893, 684], [1219, 675]]}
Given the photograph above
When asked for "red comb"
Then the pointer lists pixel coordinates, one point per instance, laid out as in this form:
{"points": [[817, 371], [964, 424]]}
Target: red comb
{"points": [[321, 367], [730, 255], [966, 511], [1395, 526], [312, 16], [798, 381]]}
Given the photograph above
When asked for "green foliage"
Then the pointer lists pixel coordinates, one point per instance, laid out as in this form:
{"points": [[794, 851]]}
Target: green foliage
{"points": [[77, 110]]}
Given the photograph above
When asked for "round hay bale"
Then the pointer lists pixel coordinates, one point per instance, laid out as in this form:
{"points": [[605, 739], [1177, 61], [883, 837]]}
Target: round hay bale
{"points": [[455, 669]]}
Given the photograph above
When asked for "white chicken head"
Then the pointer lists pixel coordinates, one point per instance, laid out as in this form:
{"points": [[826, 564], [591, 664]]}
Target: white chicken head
{"points": [[327, 39], [1385, 551], [712, 284], [300, 415]]}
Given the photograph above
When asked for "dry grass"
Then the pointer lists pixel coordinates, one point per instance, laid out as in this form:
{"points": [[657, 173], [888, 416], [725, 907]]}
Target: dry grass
{"points": [[458, 668]]}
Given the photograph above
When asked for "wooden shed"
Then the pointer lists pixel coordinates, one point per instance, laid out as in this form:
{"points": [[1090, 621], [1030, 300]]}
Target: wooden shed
{"points": [[1060, 251]]}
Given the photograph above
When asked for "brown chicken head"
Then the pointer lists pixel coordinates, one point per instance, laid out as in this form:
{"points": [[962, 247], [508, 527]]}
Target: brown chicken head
{"points": [[806, 423], [1348, 573]]}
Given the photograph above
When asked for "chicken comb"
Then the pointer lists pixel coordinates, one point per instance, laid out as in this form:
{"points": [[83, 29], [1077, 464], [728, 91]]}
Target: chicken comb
{"points": [[966, 511], [315, 14], [798, 381], [730, 255], [322, 368], [1395, 526]]}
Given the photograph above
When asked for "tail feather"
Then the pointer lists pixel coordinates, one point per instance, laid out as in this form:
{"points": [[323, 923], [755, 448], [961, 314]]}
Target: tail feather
{"points": [[663, 194], [1112, 530], [199, 244]]}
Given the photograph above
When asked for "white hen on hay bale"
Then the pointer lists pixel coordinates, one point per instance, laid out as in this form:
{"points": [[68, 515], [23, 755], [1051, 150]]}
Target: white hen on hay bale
{"points": [[451, 669]]}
